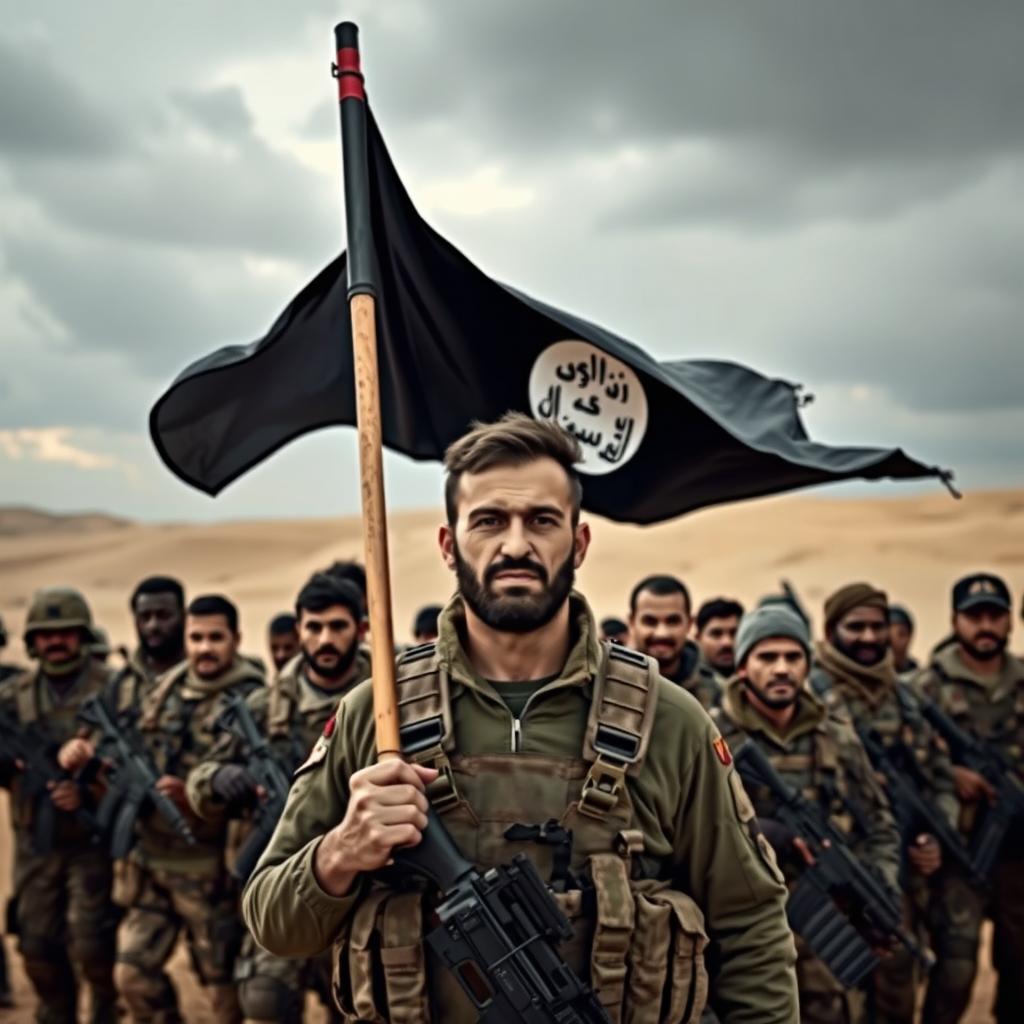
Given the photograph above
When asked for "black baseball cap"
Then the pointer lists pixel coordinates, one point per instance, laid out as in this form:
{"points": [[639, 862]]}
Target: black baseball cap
{"points": [[980, 590]]}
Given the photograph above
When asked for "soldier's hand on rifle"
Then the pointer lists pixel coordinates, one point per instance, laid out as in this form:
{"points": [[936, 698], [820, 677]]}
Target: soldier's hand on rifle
{"points": [[75, 754], [234, 785], [65, 795], [972, 787], [925, 854], [387, 807], [174, 789]]}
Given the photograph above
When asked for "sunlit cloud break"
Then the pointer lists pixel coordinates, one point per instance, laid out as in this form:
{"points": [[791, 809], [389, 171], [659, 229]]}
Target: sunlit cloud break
{"points": [[52, 444]]}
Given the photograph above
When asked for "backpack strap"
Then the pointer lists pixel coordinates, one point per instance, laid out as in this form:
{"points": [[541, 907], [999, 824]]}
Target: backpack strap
{"points": [[619, 727], [425, 718], [153, 702]]}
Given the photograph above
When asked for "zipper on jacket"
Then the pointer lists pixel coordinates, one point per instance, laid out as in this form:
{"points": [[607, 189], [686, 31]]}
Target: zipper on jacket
{"points": [[517, 735]]}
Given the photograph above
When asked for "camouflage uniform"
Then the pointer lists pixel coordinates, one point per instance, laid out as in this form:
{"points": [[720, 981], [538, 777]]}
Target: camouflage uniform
{"points": [[820, 756], [992, 709], [61, 907], [874, 699], [293, 712], [134, 681], [671, 822], [165, 884], [697, 677]]}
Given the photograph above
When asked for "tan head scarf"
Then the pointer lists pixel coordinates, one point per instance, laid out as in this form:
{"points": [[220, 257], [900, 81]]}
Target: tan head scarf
{"points": [[853, 595]]}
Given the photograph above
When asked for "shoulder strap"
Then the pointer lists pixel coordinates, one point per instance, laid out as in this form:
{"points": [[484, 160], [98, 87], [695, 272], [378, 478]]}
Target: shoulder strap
{"points": [[279, 708], [619, 727], [425, 718], [910, 710], [25, 697]]}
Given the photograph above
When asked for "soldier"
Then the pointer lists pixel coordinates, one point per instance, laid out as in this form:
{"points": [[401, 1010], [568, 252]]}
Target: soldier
{"points": [[500, 706], [6, 668], [854, 673], [818, 754], [158, 608], [981, 687], [165, 884], [717, 622], [659, 625], [61, 905], [901, 636], [283, 639], [294, 710]]}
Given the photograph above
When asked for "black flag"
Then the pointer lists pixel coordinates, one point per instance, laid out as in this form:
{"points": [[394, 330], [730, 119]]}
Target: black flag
{"points": [[659, 439]]}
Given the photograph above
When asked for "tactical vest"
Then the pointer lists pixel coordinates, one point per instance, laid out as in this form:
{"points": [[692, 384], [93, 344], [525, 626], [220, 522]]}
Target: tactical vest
{"points": [[641, 941], [59, 724]]}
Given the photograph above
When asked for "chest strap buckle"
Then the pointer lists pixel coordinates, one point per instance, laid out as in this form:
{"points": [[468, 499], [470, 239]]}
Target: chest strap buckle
{"points": [[601, 787]]}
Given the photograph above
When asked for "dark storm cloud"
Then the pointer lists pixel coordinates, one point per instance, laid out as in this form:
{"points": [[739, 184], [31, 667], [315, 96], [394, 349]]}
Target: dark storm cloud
{"points": [[44, 113]]}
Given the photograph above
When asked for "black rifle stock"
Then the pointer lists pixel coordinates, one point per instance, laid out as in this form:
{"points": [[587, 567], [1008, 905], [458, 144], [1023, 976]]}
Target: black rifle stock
{"points": [[27, 744], [498, 935], [133, 783], [836, 872], [990, 763], [913, 813], [265, 767]]}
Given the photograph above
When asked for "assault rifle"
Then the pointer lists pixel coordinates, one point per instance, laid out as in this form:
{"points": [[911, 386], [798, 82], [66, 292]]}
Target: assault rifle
{"points": [[913, 813], [28, 744], [992, 765], [133, 783], [835, 935], [498, 935], [265, 767]]}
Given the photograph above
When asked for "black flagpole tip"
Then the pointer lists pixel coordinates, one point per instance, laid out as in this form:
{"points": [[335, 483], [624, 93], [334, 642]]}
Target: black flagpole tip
{"points": [[346, 35]]}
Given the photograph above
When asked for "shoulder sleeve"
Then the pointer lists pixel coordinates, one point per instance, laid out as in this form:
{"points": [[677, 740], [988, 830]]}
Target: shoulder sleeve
{"points": [[283, 905], [734, 880]]}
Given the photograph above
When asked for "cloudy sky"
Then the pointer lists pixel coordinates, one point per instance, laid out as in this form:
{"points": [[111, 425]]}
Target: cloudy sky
{"points": [[831, 192]]}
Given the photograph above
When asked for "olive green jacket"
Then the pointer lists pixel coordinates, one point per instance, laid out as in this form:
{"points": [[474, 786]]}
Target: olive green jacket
{"points": [[684, 795]]}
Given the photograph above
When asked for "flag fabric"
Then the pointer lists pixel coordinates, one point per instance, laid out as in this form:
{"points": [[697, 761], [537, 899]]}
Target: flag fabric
{"points": [[659, 438]]}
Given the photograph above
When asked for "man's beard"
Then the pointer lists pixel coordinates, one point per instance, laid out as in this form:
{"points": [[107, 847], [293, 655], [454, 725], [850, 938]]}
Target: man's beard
{"points": [[725, 665], [170, 649], [876, 652], [775, 703], [513, 612], [339, 669], [985, 655]]}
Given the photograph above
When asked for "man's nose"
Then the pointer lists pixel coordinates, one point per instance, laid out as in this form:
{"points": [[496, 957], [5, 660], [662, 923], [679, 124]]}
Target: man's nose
{"points": [[515, 543]]}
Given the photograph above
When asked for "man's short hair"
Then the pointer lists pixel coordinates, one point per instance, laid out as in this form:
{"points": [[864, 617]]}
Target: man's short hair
{"points": [[612, 626], [351, 571], [511, 441], [660, 586], [718, 608], [215, 604], [282, 624], [324, 590], [426, 620], [159, 585]]}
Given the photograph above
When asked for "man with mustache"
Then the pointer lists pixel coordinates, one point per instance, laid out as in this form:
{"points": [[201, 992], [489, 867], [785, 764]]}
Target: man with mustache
{"points": [[717, 623], [499, 720], [64, 917], [659, 625], [980, 685], [166, 885], [817, 753], [856, 676], [293, 711]]}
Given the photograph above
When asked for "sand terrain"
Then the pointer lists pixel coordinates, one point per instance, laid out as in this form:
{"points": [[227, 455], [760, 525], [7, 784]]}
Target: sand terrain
{"points": [[914, 547]]}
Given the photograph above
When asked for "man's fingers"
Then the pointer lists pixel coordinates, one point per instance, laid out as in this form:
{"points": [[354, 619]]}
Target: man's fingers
{"points": [[400, 793], [391, 772], [403, 814]]}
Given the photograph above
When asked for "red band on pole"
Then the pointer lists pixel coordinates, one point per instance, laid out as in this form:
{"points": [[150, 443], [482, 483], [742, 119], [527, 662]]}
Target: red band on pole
{"points": [[350, 79]]}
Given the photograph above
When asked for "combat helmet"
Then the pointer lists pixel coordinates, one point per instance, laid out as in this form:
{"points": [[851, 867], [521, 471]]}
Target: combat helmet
{"points": [[57, 608]]}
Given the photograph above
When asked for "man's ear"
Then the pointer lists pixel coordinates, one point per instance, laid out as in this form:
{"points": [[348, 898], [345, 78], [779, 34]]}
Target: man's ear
{"points": [[581, 543], [362, 629], [446, 542]]}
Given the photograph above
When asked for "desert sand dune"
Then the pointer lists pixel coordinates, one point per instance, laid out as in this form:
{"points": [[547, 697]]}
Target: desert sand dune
{"points": [[914, 547]]}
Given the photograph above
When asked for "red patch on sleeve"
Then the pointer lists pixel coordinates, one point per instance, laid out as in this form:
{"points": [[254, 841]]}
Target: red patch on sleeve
{"points": [[329, 727], [722, 751]]}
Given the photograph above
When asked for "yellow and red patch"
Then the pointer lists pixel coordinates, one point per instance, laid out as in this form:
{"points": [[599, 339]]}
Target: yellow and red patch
{"points": [[722, 751]]}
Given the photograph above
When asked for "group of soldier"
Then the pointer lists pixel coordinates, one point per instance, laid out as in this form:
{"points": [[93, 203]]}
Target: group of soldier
{"points": [[674, 874]]}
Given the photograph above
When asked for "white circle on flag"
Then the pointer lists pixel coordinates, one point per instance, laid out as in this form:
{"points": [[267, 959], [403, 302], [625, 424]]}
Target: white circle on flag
{"points": [[594, 396]]}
